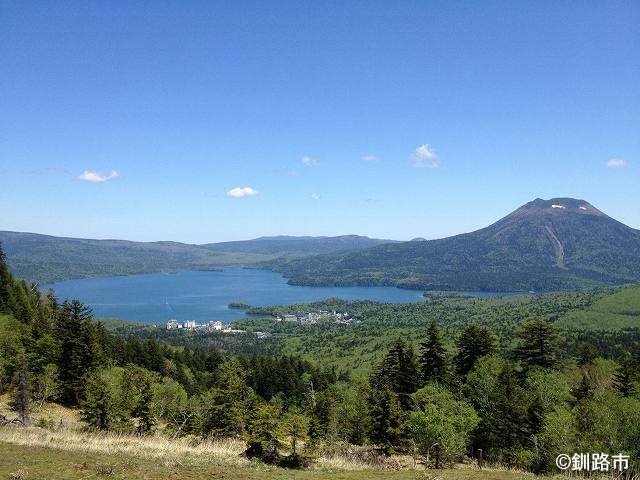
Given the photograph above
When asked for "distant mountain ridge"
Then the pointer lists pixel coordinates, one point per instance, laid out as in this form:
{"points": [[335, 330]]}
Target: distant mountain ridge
{"points": [[46, 258], [297, 245], [561, 243]]}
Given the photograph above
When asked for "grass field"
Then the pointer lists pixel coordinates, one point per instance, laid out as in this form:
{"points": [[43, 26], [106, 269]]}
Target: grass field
{"points": [[68, 452], [24, 462], [611, 312]]}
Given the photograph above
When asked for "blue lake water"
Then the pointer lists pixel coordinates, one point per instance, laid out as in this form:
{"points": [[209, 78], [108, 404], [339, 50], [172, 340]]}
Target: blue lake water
{"points": [[204, 296]]}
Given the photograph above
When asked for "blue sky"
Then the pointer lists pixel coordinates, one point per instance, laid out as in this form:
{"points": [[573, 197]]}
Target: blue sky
{"points": [[207, 121]]}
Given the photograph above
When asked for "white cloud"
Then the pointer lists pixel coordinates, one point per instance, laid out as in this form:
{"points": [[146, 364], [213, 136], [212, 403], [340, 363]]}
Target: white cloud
{"points": [[97, 177], [240, 192], [425, 157], [616, 162], [308, 161], [316, 195], [370, 158]]}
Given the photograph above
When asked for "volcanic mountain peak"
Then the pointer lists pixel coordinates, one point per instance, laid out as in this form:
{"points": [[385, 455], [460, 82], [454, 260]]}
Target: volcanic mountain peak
{"points": [[556, 206]]}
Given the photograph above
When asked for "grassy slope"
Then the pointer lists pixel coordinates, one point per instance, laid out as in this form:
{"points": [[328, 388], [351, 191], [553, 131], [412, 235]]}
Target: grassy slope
{"points": [[41, 462], [69, 453], [612, 312]]}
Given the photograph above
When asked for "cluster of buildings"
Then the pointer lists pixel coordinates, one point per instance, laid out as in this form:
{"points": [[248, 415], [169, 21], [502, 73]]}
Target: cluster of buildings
{"points": [[309, 318], [212, 326]]}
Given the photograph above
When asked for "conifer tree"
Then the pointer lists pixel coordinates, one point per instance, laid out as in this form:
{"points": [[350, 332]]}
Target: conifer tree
{"points": [[538, 344], [622, 381], [144, 410], [226, 404], [400, 369], [263, 428], [584, 390], [433, 357], [587, 354], [99, 409], [474, 342], [5, 282], [21, 395], [76, 355], [295, 427], [323, 415], [510, 416], [386, 417]]}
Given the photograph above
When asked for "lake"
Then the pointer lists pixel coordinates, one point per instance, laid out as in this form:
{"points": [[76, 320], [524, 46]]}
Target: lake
{"points": [[204, 296]]}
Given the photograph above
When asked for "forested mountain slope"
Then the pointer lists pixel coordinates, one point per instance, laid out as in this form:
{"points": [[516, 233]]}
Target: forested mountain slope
{"points": [[562, 243], [46, 258]]}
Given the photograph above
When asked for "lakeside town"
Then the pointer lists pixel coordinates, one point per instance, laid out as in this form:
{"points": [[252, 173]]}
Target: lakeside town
{"points": [[310, 318], [301, 318]]}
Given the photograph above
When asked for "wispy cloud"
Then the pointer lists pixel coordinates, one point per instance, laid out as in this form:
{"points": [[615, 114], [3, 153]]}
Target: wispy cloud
{"points": [[370, 158], [240, 192], [616, 162], [425, 157], [93, 176], [308, 161], [316, 195]]}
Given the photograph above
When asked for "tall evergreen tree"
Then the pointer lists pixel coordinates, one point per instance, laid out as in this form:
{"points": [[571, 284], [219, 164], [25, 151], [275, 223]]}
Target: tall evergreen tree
{"points": [[474, 342], [77, 352], [386, 416], [622, 380], [99, 409], [400, 368], [588, 352], [538, 344], [21, 395], [226, 410], [511, 417], [144, 410], [584, 390], [5, 282], [323, 415], [433, 357]]}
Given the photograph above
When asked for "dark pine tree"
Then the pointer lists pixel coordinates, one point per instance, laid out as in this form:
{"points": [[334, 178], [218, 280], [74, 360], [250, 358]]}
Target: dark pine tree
{"points": [[144, 410], [588, 352], [538, 344], [474, 342], [20, 396], [75, 360], [433, 357], [622, 381], [511, 421], [386, 415], [5, 283], [400, 369], [584, 391]]}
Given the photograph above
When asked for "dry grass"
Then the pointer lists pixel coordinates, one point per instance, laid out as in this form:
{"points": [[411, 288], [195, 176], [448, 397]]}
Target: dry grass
{"points": [[187, 450], [182, 450], [49, 411]]}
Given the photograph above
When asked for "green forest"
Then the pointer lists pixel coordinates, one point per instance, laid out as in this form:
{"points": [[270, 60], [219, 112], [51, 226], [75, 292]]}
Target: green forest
{"points": [[521, 380]]}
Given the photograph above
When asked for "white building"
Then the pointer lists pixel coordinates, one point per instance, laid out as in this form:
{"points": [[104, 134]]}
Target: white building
{"points": [[171, 324]]}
